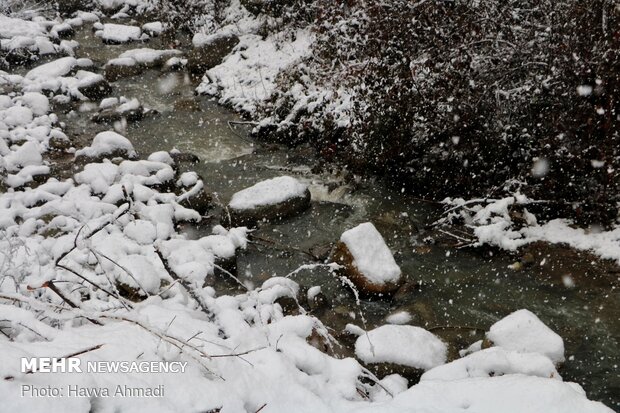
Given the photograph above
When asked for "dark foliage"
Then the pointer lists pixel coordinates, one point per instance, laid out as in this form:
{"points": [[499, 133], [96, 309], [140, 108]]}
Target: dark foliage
{"points": [[461, 98]]}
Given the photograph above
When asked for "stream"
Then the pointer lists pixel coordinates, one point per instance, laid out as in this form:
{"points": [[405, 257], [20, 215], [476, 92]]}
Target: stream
{"points": [[460, 293]]}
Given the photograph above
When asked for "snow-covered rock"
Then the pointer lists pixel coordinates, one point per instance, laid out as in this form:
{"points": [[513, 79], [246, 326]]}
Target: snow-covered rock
{"points": [[93, 86], [153, 28], [275, 198], [148, 57], [404, 345], [53, 69], [522, 331], [209, 51], [13, 27], [367, 261], [114, 110], [399, 317], [493, 362], [107, 144], [119, 33], [122, 67], [99, 176]]}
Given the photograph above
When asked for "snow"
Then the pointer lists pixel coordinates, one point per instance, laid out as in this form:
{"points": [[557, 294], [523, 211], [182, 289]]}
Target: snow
{"points": [[405, 345], [522, 331], [56, 68], [99, 176], [399, 318], [122, 61], [505, 394], [371, 255], [269, 192], [493, 225], [127, 105], [313, 292], [108, 103], [147, 55], [494, 362], [247, 76], [605, 244], [161, 156], [17, 115], [37, 102], [119, 33], [153, 28], [188, 179], [106, 143], [13, 27]]}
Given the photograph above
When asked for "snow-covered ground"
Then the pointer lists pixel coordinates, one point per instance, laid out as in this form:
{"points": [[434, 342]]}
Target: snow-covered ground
{"points": [[492, 224], [93, 266]]}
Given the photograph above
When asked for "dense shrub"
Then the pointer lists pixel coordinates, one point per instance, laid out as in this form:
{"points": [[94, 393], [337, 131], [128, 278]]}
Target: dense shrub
{"points": [[463, 98]]}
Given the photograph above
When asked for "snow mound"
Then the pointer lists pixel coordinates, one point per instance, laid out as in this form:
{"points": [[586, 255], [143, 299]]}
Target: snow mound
{"points": [[505, 394], [147, 56], [522, 331], [153, 28], [405, 345], [13, 27], [269, 192], [399, 318], [119, 33], [371, 255], [493, 362], [107, 143], [56, 68]]}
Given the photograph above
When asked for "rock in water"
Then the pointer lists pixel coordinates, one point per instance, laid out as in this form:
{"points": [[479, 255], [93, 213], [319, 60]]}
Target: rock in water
{"points": [[367, 261], [122, 67], [209, 52], [119, 33], [522, 331], [96, 89], [107, 145], [272, 199], [391, 346]]}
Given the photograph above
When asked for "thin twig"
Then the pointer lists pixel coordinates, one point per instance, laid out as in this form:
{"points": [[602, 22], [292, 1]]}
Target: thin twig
{"points": [[186, 286]]}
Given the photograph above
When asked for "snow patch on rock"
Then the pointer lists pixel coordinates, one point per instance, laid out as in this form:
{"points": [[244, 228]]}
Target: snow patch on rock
{"points": [[405, 345]]}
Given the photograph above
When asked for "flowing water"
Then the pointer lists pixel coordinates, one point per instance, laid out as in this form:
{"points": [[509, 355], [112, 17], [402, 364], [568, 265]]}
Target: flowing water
{"points": [[461, 293]]}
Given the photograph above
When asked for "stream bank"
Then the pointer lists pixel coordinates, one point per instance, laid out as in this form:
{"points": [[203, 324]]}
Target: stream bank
{"points": [[455, 289]]}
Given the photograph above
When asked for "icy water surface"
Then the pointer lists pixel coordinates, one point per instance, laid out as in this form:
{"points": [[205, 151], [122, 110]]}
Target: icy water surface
{"points": [[461, 293]]}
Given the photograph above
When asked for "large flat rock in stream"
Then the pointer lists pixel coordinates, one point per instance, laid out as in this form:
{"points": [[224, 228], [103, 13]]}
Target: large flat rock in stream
{"points": [[269, 200], [367, 260]]}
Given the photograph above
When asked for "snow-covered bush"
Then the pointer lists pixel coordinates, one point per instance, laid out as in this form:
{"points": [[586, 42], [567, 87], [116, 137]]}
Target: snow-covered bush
{"points": [[458, 98]]}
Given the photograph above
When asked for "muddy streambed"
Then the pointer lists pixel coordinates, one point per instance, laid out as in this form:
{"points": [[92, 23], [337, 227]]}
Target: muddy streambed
{"points": [[459, 293]]}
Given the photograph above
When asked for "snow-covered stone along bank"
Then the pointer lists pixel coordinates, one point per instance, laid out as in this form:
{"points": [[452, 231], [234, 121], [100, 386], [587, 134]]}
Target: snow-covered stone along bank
{"points": [[94, 264]]}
